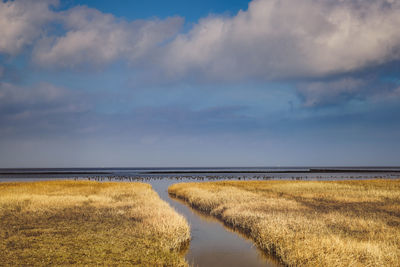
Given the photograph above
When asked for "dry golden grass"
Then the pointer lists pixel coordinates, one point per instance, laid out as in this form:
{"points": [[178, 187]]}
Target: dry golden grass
{"points": [[88, 223], [309, 223]]}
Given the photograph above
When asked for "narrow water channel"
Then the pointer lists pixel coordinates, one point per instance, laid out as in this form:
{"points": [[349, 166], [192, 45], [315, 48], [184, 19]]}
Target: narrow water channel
{"points": [[212, 243]]}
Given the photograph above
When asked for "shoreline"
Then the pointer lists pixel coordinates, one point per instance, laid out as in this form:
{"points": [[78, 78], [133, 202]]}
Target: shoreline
{"points": [[311, 170]]}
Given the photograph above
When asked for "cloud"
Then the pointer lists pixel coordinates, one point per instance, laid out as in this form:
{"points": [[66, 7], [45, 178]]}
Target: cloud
{"points": [[78, 36], [370, 90], [22, 22], [330, 92], [276, 39], [272, 39], [19, 103], [95, 38], [388, 96]]}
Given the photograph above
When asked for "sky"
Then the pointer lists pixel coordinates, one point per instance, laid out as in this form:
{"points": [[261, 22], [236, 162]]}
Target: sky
{"points": [[199, 83]]}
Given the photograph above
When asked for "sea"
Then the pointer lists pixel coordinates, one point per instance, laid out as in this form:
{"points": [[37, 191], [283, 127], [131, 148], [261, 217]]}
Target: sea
{"points": [[201, 173]]}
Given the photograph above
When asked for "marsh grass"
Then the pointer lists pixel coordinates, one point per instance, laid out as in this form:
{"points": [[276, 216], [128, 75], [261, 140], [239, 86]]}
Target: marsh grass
{"points": [[88, 223], [308, 223]]}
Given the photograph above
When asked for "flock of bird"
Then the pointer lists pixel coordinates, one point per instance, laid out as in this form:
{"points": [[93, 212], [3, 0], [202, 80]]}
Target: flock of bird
{"points": [[129, 178]]}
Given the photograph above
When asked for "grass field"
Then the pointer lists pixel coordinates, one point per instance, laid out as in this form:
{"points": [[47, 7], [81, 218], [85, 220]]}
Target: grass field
{"points": [[309, 223], [88, 223]]}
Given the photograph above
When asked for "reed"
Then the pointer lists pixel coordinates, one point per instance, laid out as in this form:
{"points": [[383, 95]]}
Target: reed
{"points": [[308, 223], [88, 223]]}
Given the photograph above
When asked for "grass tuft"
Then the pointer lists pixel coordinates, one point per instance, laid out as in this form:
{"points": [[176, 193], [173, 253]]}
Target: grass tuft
{"points": [[88, 223], [309, 223]]}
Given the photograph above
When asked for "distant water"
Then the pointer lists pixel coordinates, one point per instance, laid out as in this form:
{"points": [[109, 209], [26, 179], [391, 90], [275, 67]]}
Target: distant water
{"points": [[208, 173]]}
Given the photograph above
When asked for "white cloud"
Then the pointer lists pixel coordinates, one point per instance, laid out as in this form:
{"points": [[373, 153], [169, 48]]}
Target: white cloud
{"points": [[88, 37], [94, 38], [22, 22], [282, 38], [272, 39]]}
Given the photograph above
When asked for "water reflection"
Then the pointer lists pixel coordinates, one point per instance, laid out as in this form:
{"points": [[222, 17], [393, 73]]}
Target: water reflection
{"points": [[212, 243]]}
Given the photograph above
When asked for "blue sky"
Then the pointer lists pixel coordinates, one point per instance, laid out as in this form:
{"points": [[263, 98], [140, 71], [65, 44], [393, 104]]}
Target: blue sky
{"points": [[206, 83], [192, 11]]}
